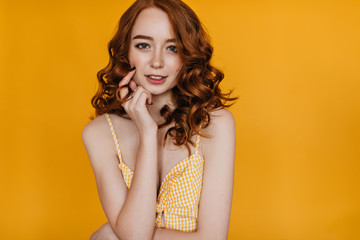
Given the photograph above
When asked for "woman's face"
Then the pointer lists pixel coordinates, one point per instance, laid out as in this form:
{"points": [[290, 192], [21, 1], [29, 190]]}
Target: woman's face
{"points": [[153, 52]]}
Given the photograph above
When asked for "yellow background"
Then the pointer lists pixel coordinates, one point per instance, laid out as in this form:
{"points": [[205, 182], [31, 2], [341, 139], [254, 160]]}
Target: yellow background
{"points": [[293, 64]]}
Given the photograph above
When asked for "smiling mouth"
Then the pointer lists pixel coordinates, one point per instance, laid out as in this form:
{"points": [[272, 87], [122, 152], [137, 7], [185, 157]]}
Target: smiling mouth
{"points": [[155, 77]]}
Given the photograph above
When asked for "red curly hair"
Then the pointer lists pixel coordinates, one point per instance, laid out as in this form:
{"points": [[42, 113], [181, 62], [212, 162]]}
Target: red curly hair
{"points": [[197, 92]]}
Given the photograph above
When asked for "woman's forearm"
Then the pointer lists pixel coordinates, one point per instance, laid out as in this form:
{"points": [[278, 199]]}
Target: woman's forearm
{"points": [[164, 234], [137, 216]]}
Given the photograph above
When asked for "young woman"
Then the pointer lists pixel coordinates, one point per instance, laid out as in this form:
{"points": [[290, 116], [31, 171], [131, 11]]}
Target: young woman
{"points": [[162, 144]]}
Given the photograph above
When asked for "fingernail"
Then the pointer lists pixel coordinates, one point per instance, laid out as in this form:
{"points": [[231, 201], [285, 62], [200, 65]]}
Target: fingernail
{"points": [[132, 69]]}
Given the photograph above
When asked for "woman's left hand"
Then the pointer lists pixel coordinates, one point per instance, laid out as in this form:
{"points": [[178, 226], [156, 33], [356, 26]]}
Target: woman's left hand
{"points": [[105, 232]]}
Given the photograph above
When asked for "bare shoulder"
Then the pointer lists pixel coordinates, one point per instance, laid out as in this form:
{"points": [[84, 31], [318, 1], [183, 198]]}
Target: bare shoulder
{"points": [[98, 141], [99, 127], [221, 132], [95, 129], [221, 122]]}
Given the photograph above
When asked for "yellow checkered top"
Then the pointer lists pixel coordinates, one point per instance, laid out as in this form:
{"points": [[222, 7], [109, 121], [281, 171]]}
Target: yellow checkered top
{"points": [[179, 195]]}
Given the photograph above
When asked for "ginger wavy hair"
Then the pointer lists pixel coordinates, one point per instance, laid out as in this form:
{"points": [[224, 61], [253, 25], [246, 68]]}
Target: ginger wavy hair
{"points": [[197, 92]]}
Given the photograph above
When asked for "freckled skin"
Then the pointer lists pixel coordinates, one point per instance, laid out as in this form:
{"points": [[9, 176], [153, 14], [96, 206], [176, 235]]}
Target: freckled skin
{"points": [[154, 55]]}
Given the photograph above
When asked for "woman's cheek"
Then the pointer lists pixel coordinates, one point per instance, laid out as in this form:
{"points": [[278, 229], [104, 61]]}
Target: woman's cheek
{"points": [[138, 61], [137, 81], [134, 58]]}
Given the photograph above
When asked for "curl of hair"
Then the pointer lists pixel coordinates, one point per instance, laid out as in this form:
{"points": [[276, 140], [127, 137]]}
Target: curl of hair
{"points": [[197, 92]]}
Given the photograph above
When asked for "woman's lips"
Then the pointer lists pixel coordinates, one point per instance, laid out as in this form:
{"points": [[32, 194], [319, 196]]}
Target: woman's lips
{"points": [[155, 79]]}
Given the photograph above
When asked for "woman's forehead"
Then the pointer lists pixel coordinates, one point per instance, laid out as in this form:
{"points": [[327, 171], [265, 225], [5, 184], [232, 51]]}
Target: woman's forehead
{"points": [[153, 22]]}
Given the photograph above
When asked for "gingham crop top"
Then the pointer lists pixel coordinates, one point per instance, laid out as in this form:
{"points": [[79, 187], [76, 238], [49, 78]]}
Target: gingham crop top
{"points": [[180, 190]]}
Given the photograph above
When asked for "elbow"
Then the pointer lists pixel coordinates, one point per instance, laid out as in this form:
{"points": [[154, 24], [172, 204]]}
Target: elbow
{"points": [[125, 230]]}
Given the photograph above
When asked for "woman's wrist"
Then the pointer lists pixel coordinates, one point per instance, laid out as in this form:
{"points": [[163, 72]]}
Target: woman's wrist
{"points": [[148, 133]]}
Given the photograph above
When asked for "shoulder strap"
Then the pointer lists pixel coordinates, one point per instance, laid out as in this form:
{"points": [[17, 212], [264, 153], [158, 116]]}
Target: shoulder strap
{"points": [[114, 136], [197, 143]]}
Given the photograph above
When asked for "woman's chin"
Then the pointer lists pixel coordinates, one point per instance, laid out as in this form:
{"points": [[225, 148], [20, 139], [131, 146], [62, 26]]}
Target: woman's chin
{"points": [[157, 91]]}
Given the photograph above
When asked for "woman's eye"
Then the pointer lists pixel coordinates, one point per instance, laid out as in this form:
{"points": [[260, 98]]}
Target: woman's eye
{"points": [[142, 45], [172, 48]]}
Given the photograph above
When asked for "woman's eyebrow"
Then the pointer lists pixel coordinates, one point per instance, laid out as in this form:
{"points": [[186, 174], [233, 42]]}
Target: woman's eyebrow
{"points": [[150, 38]]}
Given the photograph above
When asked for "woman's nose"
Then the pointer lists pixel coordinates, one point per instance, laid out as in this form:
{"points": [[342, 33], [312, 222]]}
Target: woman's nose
{"points": [[157, 60]]}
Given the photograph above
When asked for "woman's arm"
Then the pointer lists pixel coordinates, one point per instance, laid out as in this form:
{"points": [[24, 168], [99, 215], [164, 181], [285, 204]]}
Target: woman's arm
{"points": [[216, 194], [104, 232], [130, 212], [138, 212]]}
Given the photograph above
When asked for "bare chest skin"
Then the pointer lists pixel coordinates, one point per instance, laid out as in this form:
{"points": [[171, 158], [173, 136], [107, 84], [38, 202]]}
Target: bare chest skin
{"points": [[168, 155]]}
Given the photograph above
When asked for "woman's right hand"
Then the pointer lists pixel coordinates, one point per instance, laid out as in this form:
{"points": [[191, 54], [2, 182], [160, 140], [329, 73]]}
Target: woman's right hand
{"points": [[135, 106]]}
